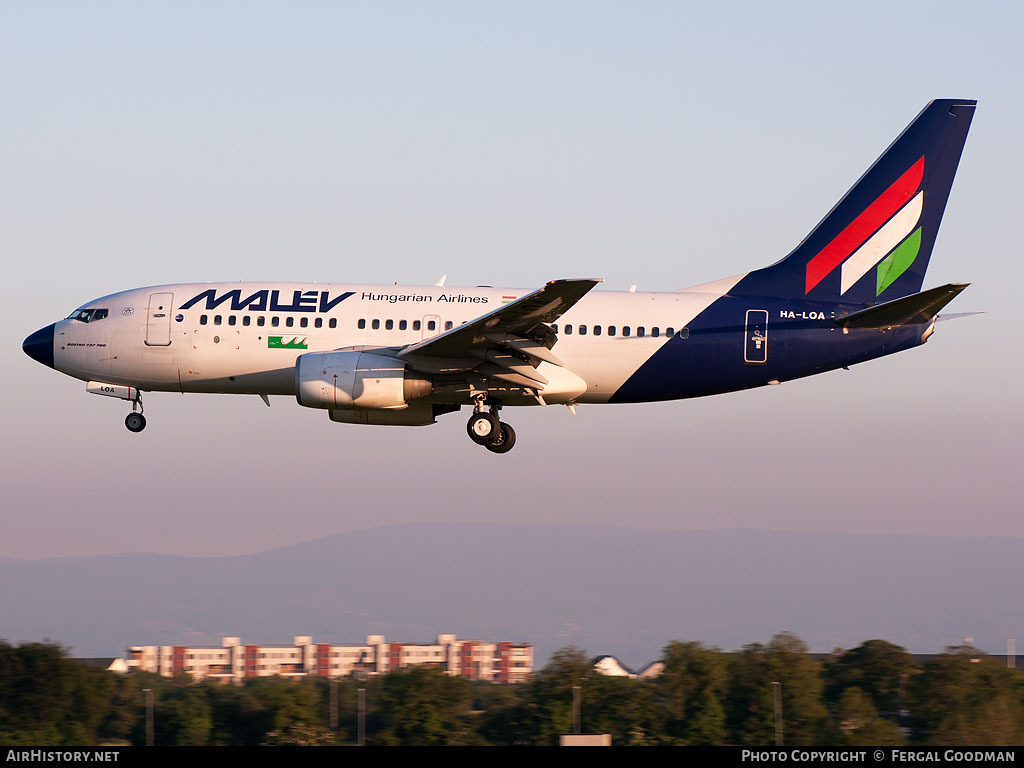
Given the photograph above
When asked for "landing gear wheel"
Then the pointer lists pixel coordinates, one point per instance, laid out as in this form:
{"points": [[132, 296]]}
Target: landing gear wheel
{"points": [[483, 427], [504, 440], [135, 422]]}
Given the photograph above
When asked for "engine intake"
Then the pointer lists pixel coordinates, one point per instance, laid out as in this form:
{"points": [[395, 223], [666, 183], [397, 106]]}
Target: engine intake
{"points": [[353, 379]]}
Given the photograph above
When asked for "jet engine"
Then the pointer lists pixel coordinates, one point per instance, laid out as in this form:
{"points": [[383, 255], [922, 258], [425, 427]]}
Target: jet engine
{"points": [[356, 379]]}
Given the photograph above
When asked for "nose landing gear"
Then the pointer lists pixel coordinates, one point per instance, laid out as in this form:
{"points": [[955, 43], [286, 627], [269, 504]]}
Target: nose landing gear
{"points": [[485, 429], [136, 422]]}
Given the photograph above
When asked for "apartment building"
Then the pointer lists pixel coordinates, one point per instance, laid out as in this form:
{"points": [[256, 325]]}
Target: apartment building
{"points": [[233, 661]]}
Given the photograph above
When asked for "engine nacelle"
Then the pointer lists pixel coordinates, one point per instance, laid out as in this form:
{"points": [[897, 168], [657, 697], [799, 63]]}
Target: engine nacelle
{"points": [[416, 415], [353, 379]]}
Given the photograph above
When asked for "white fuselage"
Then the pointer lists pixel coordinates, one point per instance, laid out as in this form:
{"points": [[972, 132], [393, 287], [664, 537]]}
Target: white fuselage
{"points": [[244, 338]]}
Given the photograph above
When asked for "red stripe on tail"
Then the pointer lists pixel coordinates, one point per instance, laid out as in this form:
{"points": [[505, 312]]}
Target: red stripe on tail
{"points": [[861, 228]]}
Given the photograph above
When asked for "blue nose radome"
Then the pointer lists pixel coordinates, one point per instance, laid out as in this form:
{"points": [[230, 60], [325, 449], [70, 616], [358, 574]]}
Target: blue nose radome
{"points": [[39, 346]]}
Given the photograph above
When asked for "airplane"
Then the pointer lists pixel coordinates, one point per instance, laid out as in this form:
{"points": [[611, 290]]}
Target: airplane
{"points": [[405, 355]]}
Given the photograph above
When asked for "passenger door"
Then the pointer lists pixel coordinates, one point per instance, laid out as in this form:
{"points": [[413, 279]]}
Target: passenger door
{"points": [[158, 320]]}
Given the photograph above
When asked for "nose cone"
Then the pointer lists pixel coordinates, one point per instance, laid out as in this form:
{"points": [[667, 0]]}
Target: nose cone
{"points": [[39, 346]]}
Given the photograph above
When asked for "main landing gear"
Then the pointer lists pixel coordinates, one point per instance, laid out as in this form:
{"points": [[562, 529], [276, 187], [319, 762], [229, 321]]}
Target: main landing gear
{"points": [[135, 421], [485, 429]]}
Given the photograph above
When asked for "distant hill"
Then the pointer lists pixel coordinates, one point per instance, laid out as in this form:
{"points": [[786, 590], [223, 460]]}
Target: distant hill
{"points": [[609, 590]]}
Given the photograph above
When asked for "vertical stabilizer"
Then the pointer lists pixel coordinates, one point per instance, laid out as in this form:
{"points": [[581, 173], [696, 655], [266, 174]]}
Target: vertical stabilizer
{"points": [[874, 245]]}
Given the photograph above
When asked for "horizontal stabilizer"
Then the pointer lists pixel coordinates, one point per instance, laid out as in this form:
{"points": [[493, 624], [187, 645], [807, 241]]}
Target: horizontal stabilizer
{"points": [[910, 310]]}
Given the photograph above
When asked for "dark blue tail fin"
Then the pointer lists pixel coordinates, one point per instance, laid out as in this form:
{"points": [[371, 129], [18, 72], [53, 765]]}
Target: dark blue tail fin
{"points": [[875, 244]]}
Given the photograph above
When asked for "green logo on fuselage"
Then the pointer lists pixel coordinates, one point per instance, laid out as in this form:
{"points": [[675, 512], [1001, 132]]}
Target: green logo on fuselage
{"points": [[293, 342]]}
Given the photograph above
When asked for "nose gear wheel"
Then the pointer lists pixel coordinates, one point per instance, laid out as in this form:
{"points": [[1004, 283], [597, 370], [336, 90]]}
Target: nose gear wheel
{"points": [[135, 422]]}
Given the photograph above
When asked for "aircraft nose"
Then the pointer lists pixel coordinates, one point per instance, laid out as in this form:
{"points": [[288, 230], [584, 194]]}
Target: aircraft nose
{"points": [[39, 346]]}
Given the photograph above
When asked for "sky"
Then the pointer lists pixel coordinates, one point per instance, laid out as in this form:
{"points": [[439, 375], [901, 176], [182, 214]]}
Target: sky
{"points": [[663, 144]]}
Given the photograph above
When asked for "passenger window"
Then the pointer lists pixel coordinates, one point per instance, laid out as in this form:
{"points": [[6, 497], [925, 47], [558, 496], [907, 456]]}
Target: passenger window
{"points": [[403, 325], [415, 325], [684, 333], [640, 330], [655, 332], [289, 321], [389, 325], [304, 322], [232, 319], [611, 330], [597, 330], [318, 323], [362, 323], [625, 330], [216, 319], [247, 320], [202, 319], [448, 325], [261, 321], [431, 325], [554, 327], [670, 331], [375, 325], [275, 321], [568, 330], [334, 322], [583, 330]]}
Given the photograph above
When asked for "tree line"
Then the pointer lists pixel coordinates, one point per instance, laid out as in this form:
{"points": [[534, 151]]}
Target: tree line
{"points": [[874, 694]]}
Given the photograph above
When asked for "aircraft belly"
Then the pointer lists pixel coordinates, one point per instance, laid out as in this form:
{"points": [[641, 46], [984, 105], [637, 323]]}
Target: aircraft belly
{"points": [[610, 363], [563, 386]]}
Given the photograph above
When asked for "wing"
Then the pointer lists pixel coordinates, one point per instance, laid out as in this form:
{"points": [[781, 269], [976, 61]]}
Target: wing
{"points": [[507, 343]]}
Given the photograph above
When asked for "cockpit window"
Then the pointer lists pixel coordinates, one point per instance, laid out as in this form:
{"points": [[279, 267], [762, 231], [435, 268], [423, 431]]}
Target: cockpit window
{"points": [[88, 315]]}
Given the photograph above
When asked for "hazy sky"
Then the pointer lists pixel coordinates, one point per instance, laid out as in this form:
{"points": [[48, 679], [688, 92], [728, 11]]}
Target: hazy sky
{"points": [[664, 144]]}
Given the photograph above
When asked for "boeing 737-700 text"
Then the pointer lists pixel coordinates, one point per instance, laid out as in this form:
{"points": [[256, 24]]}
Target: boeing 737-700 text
{"points": [[370, 354]]}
